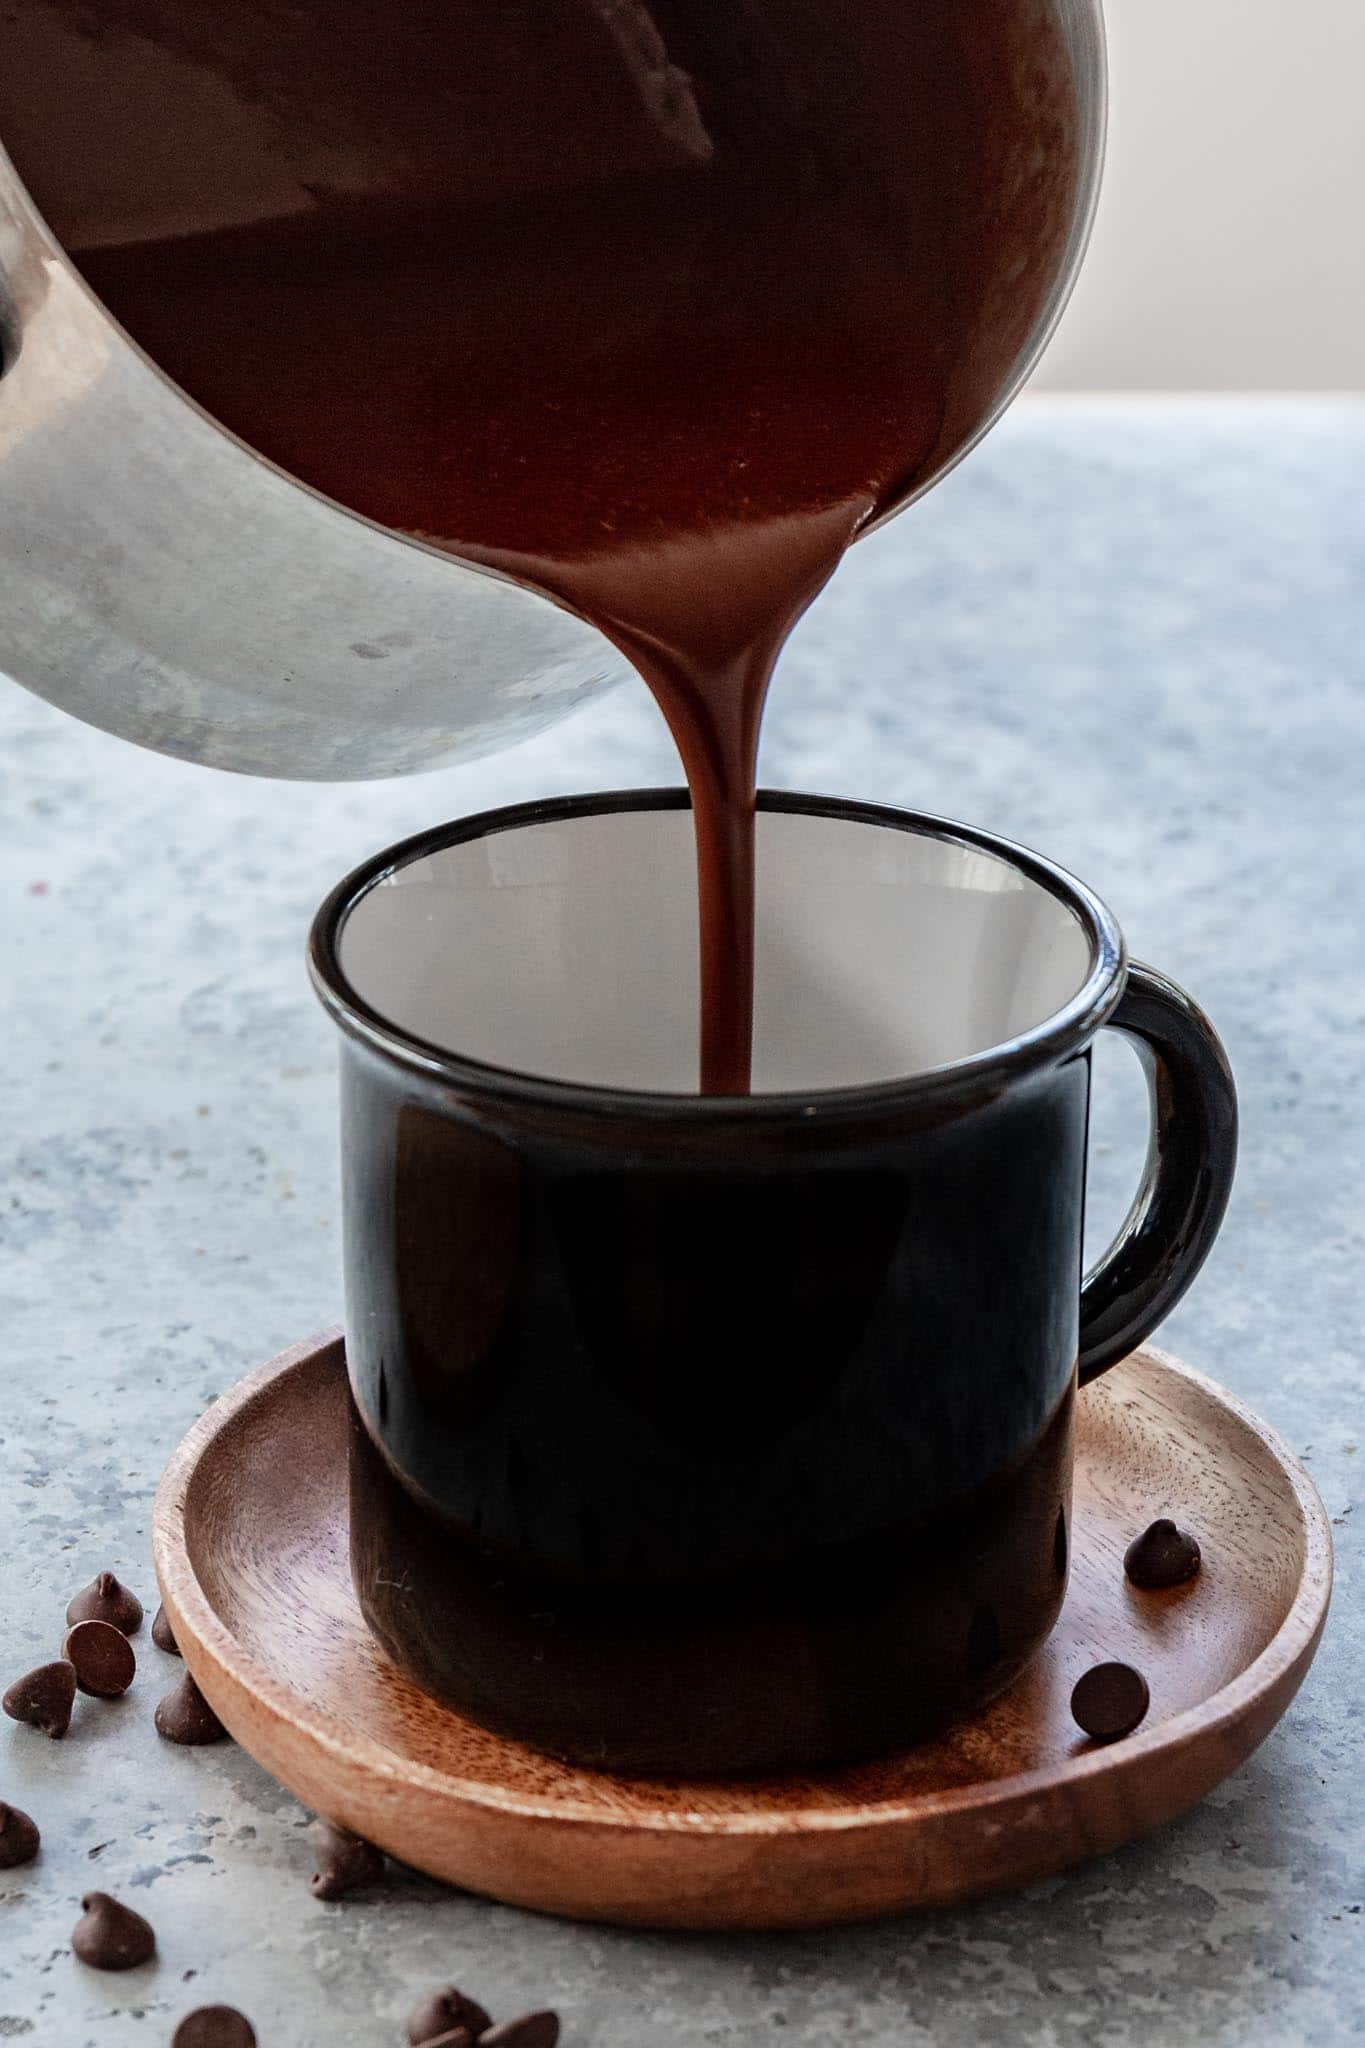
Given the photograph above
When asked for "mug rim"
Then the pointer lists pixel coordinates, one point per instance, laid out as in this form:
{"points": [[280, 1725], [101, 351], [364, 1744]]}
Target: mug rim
{"points": [[1065, 1032]]}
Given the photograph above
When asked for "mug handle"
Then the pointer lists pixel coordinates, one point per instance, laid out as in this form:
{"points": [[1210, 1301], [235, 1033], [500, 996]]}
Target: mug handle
{"points": [[1190, 1163]]}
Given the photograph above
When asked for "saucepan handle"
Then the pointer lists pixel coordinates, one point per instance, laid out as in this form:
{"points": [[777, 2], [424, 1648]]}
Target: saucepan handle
{"points": [[1190, 1163]]}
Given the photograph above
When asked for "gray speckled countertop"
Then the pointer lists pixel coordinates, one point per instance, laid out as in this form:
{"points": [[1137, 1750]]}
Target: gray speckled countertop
{"points": [[1127, 632]]}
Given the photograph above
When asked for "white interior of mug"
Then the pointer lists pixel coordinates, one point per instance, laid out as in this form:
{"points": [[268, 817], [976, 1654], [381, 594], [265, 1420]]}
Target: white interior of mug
{"points": [[568, 949]]}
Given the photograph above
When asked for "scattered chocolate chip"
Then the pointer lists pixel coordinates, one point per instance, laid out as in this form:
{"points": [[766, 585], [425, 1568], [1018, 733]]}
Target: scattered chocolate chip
{"points": [[109, 1936], [1110, 1701], [532, 2030], [102, 1658], [442, 2013], [44, 1698], [1161, 1556], [345, 1862], [185, 1716], [461, 2038], [19, 1838], [104, 1599], [214, 2026], [163, 1635]]}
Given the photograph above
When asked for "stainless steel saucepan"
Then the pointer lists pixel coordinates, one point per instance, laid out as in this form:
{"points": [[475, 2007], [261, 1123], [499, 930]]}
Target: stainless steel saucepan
{"points": [[161, 580]]}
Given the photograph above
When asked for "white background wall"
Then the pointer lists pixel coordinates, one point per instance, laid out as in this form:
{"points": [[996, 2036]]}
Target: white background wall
{"points": [[1230, 246]]}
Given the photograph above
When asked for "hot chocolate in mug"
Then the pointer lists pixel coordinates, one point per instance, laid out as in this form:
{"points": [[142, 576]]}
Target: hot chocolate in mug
{"points": [[726, 1434]]}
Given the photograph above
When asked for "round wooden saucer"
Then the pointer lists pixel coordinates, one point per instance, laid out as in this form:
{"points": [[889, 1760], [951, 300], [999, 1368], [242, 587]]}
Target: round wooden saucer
{"points": [[251, 1551]]}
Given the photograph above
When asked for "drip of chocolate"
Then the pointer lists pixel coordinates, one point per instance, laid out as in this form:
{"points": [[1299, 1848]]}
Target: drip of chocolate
{"points": [[652, 303]]}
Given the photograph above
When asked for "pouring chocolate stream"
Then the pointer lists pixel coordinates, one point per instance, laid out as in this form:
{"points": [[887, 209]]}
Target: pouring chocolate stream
{"points": [[651, 307]]}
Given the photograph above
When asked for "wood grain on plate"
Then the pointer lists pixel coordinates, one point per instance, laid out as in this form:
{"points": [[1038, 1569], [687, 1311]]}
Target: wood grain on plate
{"points": [[250, 1544]]}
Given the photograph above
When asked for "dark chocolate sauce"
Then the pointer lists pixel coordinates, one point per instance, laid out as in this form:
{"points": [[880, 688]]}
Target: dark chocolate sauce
{"points": [[653, 303]]}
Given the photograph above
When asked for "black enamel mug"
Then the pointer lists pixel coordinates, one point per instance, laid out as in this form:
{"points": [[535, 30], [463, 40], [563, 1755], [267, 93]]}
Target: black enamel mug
{"points": [[713, 1434]]}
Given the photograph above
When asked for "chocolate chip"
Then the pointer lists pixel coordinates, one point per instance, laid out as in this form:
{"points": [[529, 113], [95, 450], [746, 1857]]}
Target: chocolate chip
{"points": [[102, 1657], [1161, 1556], [185, 1716], [345, 1862], [442, 2013], [1110, 1701], [19, 1838], [532, 2030], [104, 1599], [461, 2038], [163, 1635], [109, 1936], [214, 2026], [44, 1698]]}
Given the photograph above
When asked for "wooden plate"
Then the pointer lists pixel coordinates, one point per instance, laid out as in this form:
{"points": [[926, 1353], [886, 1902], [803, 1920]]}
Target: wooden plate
{"points": [[250, 1545]]}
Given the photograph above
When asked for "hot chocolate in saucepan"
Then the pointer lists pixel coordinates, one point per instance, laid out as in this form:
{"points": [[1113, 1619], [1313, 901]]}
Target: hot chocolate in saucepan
{"points": [[652, 303]]}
